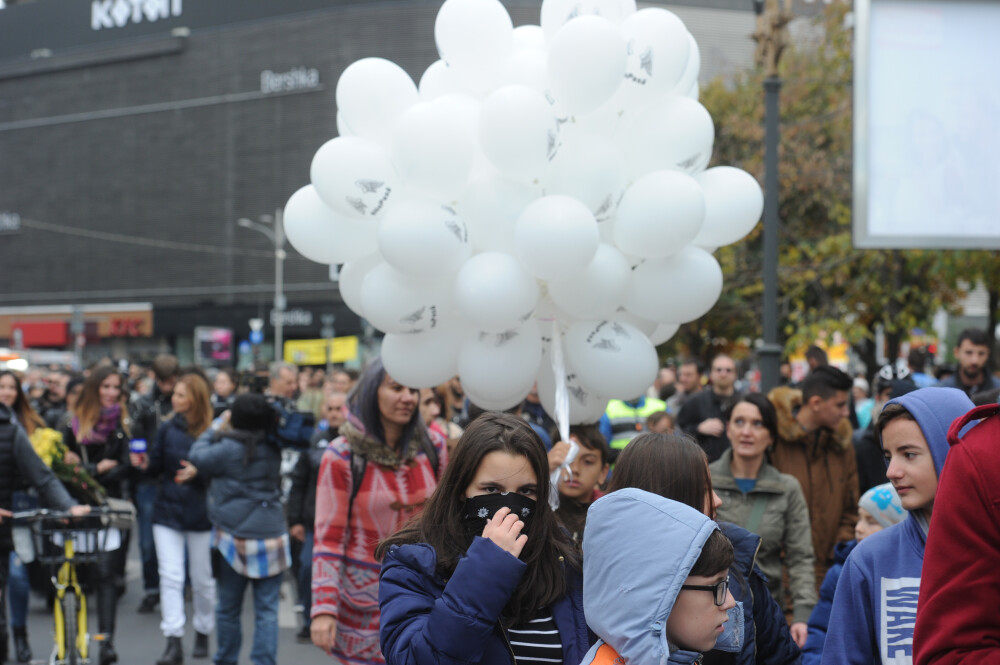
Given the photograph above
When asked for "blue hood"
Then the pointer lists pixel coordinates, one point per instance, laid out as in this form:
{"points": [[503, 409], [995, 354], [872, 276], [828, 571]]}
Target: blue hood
{"points": [[638, 548], [935, 409]]}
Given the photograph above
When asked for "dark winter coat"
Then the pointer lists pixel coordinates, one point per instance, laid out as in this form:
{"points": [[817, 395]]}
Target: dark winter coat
{"points": [[301, 506], [766, 640], [427, 620], [244, 495], [116, 447], [812, 653], [181, 507], [702, 406]]}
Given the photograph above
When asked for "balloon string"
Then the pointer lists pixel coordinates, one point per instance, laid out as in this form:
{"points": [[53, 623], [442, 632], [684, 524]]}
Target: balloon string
{"points": [[561, 415]]}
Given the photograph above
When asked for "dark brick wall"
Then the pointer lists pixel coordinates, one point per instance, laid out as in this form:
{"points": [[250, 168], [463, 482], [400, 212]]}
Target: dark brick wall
{"points": [[181, 175]]}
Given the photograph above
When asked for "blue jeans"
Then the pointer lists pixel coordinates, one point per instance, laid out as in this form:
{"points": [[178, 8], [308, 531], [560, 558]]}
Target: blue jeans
{"points": [[229, 633], [305, 576], [145, 496], [20, 588]]}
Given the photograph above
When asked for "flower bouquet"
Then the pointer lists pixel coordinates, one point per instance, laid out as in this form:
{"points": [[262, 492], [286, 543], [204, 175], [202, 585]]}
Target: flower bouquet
{"points": [[48, 444]]}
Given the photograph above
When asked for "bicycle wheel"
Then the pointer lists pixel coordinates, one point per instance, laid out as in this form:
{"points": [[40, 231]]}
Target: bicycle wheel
{"points": [[70, 628]]}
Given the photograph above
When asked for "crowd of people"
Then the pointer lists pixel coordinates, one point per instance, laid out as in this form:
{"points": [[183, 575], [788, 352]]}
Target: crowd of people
{"points": [[700, 522]]}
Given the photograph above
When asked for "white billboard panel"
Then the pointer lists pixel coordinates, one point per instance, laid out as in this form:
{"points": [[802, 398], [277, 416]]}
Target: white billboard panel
{"points": [[927, 124]]}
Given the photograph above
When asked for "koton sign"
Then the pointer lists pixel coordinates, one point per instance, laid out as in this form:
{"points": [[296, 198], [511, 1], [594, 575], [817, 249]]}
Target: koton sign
{"points": [[119, 13]]}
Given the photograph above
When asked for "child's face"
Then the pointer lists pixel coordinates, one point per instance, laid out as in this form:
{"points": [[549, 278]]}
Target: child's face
{"points": [[501, 472], [911, 466], [866, 525], [587, 472], [695, 621]]}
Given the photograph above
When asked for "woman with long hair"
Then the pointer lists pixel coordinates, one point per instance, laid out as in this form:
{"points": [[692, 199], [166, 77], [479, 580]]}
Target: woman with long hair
{"points": [[99, 435], [675, 466], [485, 574], [375, 476], [769, 503], [180, 519]]}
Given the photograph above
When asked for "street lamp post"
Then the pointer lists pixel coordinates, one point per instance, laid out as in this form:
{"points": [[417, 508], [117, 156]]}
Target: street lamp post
{"points": [[274, 229], [771, 36]]}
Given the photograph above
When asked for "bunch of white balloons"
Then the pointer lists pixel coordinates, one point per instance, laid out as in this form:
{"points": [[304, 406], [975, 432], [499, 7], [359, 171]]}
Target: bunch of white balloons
{"points": [[542, 185]]}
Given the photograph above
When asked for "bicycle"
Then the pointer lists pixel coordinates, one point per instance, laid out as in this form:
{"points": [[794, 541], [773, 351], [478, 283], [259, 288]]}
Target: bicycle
{"points": [[78, 540]]}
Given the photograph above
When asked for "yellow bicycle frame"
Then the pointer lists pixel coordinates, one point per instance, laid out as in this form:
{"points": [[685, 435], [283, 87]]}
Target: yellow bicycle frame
{"points": [[66, 579]]}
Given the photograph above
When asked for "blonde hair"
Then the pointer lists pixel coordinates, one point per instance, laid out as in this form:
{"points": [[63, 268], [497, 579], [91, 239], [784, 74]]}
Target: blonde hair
{"points": [[199, 417], [88, 407]]}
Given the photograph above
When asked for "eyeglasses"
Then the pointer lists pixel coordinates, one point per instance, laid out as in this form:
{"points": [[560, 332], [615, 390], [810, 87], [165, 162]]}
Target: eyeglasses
{"points": [[720, 590]]}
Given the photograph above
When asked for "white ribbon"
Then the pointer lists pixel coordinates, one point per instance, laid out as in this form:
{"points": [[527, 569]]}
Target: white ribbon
{"points": [[561, 415]]}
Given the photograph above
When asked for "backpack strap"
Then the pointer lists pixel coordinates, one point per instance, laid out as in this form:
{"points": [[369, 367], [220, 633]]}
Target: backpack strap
{"points": [[978, 413], [358, 466]]}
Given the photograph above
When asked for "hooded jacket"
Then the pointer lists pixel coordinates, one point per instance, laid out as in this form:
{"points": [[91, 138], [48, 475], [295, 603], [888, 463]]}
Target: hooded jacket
{"points": [[875, 606], [427, 620], [957, 621], [824, 463], [638, 549], [819, 621]]}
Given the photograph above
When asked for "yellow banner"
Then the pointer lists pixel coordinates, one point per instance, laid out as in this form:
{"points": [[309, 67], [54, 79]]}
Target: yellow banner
{"points": [[313, 351]]}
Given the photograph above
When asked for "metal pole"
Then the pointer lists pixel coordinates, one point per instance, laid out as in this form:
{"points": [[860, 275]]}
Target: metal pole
{"points": [[279, 285], [770, 351]]}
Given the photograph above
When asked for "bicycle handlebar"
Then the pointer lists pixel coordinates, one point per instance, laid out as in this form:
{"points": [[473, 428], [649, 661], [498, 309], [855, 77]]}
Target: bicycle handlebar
{"points": [[39, 514]]}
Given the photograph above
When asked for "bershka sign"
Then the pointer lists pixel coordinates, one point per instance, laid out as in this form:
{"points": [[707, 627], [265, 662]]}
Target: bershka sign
{"points": [[298, 78], [119, 13]]}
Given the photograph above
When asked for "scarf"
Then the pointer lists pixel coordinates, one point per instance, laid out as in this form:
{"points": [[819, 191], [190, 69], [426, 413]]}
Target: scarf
{"points": [[377, 451], [106, 423]]}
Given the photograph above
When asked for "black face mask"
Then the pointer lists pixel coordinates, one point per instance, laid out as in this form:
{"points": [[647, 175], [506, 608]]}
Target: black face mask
{"points": [[478, 510]]}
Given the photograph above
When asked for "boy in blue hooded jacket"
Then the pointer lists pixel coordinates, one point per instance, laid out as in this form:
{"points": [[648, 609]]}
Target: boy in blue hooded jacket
{"points": [[875, 606], [656, 576]]}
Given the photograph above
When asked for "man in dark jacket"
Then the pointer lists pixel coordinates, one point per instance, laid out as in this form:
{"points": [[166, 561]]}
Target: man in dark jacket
{"points": [[701, 415], [150, 412], [19, 464]]}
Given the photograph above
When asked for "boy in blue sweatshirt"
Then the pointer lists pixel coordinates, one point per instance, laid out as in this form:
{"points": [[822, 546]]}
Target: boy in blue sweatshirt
{"points": [[875, 606]]}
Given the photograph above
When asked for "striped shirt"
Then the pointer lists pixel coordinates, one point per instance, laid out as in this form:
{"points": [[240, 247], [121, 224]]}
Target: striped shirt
{"points": [[254, 558], [536, 641]]}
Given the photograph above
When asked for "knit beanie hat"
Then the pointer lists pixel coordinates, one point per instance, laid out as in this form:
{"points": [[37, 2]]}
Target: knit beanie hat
{"points": [[883, 504], [251, 412]]}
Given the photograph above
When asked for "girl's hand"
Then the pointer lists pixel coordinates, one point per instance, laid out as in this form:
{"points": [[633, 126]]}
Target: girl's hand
{"points": [[71, 458], [186, 472], [323, 631], [505, 532], [106, 465], [800, 632], [138, 460]]}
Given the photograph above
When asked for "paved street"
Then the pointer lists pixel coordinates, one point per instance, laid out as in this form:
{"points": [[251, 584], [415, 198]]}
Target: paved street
{"points": [[138, 638]]}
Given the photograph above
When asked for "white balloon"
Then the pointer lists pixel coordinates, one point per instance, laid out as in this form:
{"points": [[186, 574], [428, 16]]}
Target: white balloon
{"points": [[437, 81], [424, 239], [674, 133], [586, 63], [557, 13], [733, 205], [321, 235], [497, 366], [677, 289], [475, 38], [372, 93], [433, 148], [645, 326], [518, 131], [503, 404], [591, 169], [663, 333], [354, 176], [490, 207], [529, 37], [599, 290], [555, 237], [611, 358], [660, 213], [425, 359], [691, 71], [352, 276], [494, 292], [529, 67], [585, 406], [343, 129], [658, 51], [398, 303]]}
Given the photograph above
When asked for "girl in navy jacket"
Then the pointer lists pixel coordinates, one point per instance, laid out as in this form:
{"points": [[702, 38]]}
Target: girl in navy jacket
{"points": [[484, 574]]}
